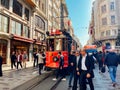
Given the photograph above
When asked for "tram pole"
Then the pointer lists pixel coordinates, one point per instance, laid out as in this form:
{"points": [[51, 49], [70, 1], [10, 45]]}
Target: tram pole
{"points": [[61, 15]]}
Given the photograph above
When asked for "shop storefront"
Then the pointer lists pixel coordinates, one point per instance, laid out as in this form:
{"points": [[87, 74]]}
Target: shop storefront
{"points": [[21, 44], [3, 50]]}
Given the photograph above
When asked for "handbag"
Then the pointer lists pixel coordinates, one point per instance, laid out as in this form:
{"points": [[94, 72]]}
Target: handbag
{"points": [[103, 69]]}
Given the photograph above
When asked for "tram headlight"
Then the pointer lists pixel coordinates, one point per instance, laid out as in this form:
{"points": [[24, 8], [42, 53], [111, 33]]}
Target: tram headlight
{"points": [[55, 59]]}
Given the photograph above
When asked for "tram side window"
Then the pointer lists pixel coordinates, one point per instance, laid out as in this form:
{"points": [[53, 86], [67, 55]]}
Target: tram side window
{"points": [[51, 43]]}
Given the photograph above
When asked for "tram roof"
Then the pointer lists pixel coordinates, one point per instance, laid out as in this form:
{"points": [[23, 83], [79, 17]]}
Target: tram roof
{"points": [[60, 36]]}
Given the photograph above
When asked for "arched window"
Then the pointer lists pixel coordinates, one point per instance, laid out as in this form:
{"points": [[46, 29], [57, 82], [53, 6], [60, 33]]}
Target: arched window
{"points": [[39, 22]]}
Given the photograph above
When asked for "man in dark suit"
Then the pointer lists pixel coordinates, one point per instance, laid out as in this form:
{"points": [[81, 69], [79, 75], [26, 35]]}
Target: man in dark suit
{"points": [[86, 67], [71, 67], [76, 65]]}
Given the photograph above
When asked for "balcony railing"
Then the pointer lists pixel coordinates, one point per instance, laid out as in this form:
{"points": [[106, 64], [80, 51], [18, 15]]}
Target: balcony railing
{"points": [[108, 37]]}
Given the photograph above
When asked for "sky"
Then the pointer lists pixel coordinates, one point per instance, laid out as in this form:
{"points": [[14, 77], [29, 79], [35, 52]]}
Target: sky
{"points": [[80, 15]]}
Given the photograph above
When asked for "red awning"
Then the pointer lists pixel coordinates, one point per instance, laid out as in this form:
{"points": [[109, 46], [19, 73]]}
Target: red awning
{"points": [[15, 37]]}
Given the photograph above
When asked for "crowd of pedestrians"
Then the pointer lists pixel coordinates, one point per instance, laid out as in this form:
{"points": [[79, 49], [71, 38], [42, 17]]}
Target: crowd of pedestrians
{"points": [[21, 57], [82, 65]]}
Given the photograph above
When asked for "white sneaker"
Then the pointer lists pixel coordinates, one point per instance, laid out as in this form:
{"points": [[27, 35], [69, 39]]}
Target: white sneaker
{"points": [[64, 79], [54, 79]]}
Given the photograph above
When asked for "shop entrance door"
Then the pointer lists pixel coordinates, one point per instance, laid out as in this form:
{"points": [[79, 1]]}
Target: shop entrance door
{"points": [[3, 50]]}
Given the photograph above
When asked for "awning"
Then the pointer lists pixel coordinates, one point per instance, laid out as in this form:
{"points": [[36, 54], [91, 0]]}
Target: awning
{"points": [[15, 37]]}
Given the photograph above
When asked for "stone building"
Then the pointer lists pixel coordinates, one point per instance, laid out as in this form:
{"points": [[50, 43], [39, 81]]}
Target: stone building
{"points": [[106, 23]]}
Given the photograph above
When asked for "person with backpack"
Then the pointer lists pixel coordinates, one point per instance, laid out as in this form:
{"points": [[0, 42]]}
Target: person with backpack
{"points": [[112, 61]]}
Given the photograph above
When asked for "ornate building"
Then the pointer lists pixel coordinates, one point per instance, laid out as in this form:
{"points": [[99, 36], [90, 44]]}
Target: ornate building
{"points": [[106, 22]]}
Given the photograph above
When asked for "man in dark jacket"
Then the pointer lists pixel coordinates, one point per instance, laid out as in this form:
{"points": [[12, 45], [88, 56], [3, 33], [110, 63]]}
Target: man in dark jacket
{"points": [[60, 69], [86, 71], [100, 61], [13, 60], [76, 68], [112, 61], [71, 68], [35, 59]]}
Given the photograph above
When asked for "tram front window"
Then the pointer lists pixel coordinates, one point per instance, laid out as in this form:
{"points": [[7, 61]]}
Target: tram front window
{"points": [[58, 44]]}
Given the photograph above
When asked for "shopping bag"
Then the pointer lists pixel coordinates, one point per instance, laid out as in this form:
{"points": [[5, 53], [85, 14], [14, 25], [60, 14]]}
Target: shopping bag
{"points": [[103, 69]]}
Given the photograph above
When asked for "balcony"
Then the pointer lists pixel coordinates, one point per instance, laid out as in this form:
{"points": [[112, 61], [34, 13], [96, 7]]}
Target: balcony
{"points": [[108, 37], [31, 2]]}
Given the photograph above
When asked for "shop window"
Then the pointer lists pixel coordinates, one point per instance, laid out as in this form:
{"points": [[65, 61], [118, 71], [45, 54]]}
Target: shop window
{"points": [[26, 14], [16, 28], [5, 3], [26, 31], [17, 8], [3, 24]]}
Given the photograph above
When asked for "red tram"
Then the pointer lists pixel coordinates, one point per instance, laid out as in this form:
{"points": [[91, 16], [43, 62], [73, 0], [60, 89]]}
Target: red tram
{"points": [[56, 42]]}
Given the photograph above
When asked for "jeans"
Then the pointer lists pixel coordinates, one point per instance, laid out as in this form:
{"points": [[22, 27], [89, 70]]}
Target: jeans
{"points": [[112, 71], [70, 78]]}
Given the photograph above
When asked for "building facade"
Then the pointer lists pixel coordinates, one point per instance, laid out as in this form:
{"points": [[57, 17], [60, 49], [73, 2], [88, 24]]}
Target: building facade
{"points": [[22, 27], [106, 22], [39, 25], [15, 27], [53, 15]]}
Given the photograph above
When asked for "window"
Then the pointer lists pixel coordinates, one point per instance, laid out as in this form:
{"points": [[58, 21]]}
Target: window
{"points": [[103, 34], [108, 45], [26, 14], [103, 8], [108, 33], [3, 24], [114, 32], [36, 33], [26, 31], [39, 23], [104, 21], [113, 20], [17, 8], [16, 28], [58, 45], [5, 3], [39, 4], [112, 6]]}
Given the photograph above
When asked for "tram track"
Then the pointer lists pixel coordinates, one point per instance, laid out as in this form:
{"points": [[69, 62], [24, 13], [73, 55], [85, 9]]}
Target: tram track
{"points": [[45, 81]]}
